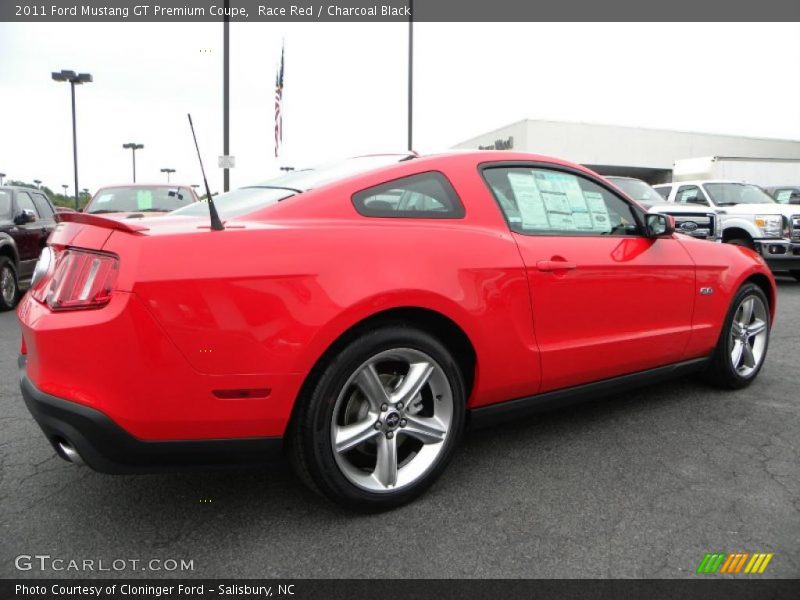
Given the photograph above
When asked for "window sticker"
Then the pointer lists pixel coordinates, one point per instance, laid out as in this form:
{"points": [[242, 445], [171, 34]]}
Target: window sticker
{"points": [[599, 211], [144, 199], [529, 201]]}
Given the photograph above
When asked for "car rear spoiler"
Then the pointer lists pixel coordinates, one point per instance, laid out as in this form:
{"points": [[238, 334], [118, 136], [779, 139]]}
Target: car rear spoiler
{"points": [[87, 219]]}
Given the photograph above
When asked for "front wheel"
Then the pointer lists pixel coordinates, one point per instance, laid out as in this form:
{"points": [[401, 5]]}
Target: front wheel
{"points": [[381, 421], [742, 345]]}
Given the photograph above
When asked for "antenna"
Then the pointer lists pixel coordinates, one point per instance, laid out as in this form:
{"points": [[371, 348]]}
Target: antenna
{"points": [[216, 224]]}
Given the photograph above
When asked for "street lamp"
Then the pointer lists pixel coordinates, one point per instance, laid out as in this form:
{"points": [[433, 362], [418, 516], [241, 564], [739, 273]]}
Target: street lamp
{"points": [[38, 183], [1, 178], [65, 186], [133, 147], [168, 171], [73, 80]]}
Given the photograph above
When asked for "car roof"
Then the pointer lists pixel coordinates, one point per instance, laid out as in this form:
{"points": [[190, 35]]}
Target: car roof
{"points": [[21, 187], [143, 185]]}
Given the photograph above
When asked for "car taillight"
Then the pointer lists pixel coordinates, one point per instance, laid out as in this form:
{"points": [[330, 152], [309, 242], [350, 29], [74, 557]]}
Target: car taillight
{"points": [[77, 279]]}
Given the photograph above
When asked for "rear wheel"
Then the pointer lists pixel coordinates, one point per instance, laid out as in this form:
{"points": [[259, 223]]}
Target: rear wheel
{"points": [[9, 288], [743, 343], [382, 420]]}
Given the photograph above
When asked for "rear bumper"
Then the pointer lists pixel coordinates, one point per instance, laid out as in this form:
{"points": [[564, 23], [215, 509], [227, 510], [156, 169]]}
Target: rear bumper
{"points": [[106, 447]]}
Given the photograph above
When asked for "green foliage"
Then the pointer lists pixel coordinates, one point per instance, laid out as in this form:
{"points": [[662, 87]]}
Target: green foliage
{"points": [[57, 199]]}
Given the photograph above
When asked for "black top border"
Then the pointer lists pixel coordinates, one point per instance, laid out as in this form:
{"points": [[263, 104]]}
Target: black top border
{"points": [[187, 11]]}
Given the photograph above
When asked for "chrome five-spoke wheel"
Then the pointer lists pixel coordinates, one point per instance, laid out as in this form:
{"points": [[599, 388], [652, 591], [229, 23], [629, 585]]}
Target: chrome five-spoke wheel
{"points": [[391, 420], [381, 417], [748, 333]]}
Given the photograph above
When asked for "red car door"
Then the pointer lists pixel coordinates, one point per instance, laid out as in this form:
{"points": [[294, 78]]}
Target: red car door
{"points": [[606, 300]]}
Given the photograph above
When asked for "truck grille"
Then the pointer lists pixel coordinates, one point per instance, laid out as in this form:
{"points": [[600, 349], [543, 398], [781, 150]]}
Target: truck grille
{"points": [[700, 226]]}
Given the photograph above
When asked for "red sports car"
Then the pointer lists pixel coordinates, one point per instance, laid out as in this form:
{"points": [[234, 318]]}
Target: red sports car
{"points": [[358, 316]]}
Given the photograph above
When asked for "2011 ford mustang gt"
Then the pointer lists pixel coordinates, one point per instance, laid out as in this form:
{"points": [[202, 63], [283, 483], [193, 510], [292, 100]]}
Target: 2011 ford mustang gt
{"points": [[358, 316]]}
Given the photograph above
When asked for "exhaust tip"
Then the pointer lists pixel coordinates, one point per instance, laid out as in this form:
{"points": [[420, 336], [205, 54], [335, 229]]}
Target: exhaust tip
{"points": [[69, 453]]}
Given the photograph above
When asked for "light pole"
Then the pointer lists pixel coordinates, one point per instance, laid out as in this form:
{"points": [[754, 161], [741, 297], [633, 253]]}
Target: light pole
{"points": [[133, 147], [73, 80], [167, 171], [65, 186], [1, 178], [38, 183]]}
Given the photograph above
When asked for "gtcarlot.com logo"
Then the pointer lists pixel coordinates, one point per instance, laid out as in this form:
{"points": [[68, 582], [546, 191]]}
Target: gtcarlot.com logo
{"points": [[46, 562], [721, 563]]}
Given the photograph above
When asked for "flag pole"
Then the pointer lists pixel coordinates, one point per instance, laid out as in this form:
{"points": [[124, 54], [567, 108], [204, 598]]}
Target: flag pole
{"points": [[226, 92], [411, 76]]}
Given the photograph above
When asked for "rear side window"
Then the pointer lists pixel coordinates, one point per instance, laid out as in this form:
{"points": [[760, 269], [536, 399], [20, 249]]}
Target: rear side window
{"points": [[43, 206], [424, 196]]}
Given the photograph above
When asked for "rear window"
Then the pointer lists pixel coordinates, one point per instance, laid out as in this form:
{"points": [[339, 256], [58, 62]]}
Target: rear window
{"points": [[423, 196], [140, 199]]}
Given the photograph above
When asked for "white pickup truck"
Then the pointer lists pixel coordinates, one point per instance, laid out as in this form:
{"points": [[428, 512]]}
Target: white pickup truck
{"points": [[696, 221], [748, 216]]}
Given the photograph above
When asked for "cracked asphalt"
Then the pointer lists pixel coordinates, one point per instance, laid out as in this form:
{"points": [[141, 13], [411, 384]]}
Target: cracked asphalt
{"points": [[641, 485]]}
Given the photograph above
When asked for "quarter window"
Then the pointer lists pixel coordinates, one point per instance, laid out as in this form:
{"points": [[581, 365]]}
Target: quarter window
{"points": [[424, 196], [543, 201]]}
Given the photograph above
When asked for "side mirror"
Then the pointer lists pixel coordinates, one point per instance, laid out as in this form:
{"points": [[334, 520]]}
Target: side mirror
{"points": [[659, 225], [26, 216]]}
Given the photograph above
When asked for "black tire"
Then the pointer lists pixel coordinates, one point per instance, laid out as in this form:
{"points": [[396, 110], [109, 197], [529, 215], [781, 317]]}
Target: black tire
{"points": [[7, 269], [309, 438], [721, 372], [747, 243], [795, 274]]}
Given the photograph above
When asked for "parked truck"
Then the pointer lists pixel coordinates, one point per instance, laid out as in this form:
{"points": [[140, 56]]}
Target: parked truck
{"points": [[764, 172]]}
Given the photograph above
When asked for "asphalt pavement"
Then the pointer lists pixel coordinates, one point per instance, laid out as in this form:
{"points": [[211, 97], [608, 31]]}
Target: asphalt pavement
{"points": [[640, 485]]}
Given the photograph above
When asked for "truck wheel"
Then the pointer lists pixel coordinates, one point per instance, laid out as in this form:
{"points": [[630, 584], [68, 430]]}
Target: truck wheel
{"points": [[380, 420], [742, 242], [742, 345], [9, 289]]}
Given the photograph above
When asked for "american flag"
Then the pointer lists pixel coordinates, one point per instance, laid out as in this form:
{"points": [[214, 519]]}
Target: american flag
{"points": [[278, 100]]}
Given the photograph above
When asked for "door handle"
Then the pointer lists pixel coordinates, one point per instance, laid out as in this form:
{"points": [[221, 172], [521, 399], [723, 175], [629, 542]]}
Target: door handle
{"points": [[555, 265]]}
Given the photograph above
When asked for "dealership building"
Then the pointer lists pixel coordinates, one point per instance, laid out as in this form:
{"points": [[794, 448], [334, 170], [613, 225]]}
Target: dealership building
{"points": [[631, 151]]}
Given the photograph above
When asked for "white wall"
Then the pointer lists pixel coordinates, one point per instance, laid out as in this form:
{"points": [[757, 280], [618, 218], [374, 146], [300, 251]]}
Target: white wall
{"points": [[592, 144]]}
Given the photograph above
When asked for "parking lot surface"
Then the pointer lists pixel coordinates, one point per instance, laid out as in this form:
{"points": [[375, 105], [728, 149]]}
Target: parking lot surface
{"points": [[640, 485]]}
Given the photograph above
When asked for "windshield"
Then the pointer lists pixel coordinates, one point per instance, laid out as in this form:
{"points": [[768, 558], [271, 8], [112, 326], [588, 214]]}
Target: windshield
{"points": [[5, 203], [729, 194], [638, 190], [238, 202], [139, 199], [252, 198]]}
